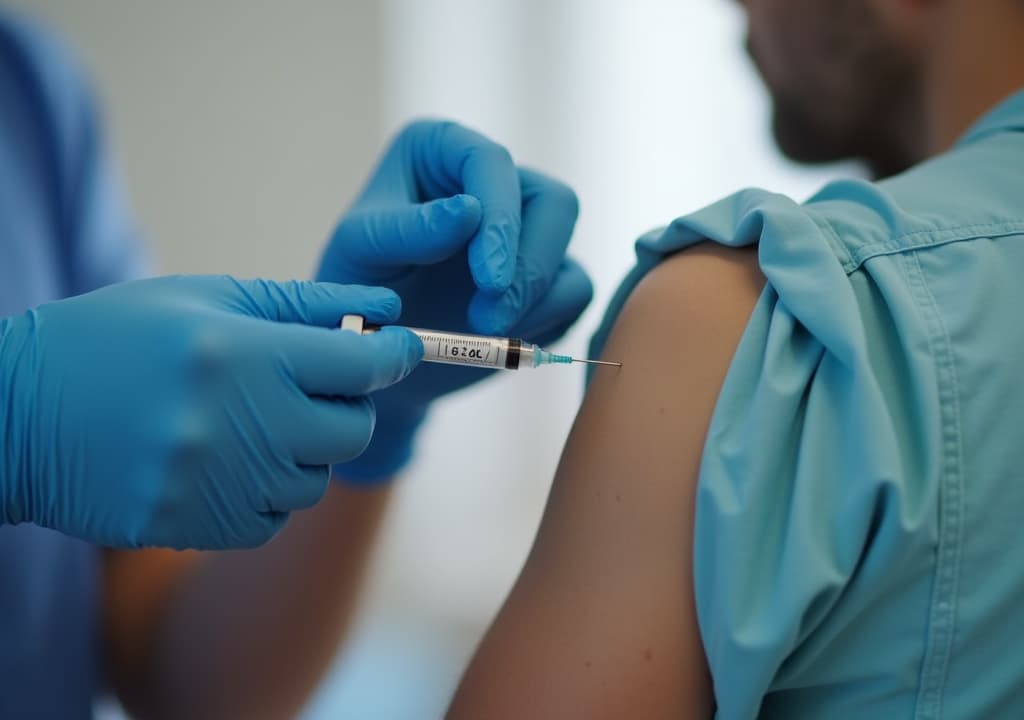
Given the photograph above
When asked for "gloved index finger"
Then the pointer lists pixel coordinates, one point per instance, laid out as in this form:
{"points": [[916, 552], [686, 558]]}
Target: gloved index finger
{"points": [[308, 302], [486, 170], [549, 212]]}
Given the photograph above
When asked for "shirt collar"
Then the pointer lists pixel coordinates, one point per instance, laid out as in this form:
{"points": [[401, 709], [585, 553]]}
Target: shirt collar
{"points": [[1007, 116]]}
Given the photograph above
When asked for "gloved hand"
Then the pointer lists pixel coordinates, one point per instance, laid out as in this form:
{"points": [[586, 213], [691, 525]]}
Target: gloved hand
{"points": [[187, 411], [471, 243]]}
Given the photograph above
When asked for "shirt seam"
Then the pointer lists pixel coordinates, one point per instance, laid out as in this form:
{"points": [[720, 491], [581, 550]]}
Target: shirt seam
{"points": [[852, 258], [942, 604]]}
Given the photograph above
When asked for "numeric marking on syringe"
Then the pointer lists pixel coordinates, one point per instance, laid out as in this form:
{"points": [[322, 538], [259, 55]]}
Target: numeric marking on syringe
{"points": [[468, 351], [461, 350]]}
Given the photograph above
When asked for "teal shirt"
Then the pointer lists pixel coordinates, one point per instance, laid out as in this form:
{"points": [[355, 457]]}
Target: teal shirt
{"points": [[858, 548]]}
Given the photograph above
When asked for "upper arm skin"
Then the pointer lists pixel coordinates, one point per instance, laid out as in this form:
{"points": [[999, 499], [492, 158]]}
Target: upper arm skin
{"points": [[601, 623]]}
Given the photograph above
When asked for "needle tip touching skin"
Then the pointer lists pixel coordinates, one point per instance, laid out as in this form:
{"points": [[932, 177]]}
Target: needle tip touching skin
{"points": [[597, 362]]}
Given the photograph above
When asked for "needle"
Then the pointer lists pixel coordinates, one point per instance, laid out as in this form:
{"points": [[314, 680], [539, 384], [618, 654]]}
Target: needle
{"points": [[598, 362]]}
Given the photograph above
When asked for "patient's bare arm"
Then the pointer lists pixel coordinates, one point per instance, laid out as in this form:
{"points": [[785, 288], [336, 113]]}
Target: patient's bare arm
{"points": [[601, 622]]}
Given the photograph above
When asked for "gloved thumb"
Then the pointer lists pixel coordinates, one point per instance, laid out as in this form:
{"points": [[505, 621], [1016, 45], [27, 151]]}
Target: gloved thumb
{"points": [[341, 363], [389, 239]]}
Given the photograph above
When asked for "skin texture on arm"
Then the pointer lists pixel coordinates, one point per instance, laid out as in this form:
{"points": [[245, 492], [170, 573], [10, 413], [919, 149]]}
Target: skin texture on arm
{"points": [[601, 622], [243, 633]]}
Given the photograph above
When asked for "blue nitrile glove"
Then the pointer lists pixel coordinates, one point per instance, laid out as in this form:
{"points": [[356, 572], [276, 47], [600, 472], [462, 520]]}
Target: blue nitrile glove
{"points": [[187, 411], [471, 243]]}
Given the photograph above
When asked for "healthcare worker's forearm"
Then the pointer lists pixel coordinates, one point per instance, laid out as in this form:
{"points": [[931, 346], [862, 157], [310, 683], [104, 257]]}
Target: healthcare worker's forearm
{"points": [[248, 634]]}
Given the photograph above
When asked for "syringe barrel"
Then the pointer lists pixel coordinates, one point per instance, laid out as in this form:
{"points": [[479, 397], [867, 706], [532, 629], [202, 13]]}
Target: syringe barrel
{"points": [[468, 349], [454, 348]]}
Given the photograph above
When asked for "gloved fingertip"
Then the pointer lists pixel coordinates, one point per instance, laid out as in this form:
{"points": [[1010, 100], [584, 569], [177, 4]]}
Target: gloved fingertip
{"points": [[387, 309], [376, 304], [460, 205], [457, 217], [490, 259], [410, 348], [415, 348]]}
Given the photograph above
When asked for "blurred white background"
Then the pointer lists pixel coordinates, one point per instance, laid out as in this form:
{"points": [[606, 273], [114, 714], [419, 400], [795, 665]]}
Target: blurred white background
{"points": [[245, 128]]}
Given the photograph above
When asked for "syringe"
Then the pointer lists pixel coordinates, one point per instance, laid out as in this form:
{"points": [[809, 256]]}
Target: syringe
{"points": [[484, 351]]}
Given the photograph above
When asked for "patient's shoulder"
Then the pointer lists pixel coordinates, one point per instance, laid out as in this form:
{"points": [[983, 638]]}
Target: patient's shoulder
{"points": [[707, 276], [686, 316]]}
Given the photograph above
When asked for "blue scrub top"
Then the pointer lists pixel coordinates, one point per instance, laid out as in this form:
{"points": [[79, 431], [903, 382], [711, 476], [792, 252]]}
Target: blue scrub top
{"points": [[63, 231], [857, 548]]}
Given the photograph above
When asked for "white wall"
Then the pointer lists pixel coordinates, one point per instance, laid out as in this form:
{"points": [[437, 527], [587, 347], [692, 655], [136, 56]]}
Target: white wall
{"points": [[244, 129]]}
